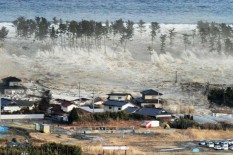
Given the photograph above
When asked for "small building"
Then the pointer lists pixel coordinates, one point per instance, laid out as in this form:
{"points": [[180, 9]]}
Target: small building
{"points": [[157, 113], [115, 106], [150, 98], [120, 97]]}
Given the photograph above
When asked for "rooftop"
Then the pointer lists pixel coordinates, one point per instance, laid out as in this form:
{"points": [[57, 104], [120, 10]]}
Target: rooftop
{"points": [[150, 92], [88, 109], [115, 103], [131, 109], [21, 103], [119, 94], [152, 112], [11, 79]]}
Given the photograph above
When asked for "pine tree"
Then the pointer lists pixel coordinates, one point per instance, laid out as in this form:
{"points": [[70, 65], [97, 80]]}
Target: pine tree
{"points": [[186, 40], [141, 27], [154, 27], [172, 34], [163, 43]]}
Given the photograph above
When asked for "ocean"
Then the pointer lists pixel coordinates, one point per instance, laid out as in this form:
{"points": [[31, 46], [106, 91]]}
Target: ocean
{"points": [[162, 11]]}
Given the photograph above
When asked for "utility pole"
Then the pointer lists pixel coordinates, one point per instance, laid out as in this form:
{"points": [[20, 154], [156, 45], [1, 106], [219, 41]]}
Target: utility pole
{"points": [[176, 77], [79, 93], [0, 107], [93, 100]]}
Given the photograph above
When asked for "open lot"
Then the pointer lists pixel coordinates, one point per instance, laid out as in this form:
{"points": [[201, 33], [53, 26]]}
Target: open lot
{"points": [[142, 142]]}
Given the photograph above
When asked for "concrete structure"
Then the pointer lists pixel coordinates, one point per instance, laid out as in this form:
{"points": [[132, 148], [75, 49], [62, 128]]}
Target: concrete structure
{"points": [[45, 128]]}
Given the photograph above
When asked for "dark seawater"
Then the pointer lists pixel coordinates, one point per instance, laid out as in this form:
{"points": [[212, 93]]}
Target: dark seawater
{"points": [[163, 11]]}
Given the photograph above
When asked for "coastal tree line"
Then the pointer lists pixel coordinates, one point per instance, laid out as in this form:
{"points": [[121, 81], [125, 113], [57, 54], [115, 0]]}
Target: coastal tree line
{"points": [[89, 34]]}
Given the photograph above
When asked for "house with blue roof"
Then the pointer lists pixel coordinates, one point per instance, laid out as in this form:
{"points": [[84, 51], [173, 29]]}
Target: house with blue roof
{"points": [[114, 106]]}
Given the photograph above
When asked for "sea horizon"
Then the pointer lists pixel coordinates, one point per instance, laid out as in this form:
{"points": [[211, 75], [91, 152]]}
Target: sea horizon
{"points": [[161, 11]]}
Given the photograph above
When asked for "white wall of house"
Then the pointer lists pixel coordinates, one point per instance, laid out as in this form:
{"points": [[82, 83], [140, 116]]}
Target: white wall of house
{"points": [[68, 108], [117, 97], [11, 108], [15, 108], [120, 97], [14, 83], [115, 108], [150, 97], [14, 91]]}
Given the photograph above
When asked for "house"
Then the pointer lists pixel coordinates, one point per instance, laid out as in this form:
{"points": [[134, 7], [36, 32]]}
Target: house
{"points": [[11, 81], [67, 106], [157, 113], [115, 106], [56, 112], [12, 86], [16, 105], [150, 98], [120, 97]]}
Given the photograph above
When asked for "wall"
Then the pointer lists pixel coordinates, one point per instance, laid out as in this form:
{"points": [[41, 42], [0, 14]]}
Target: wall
{"points": [[150, 97], [14, 83], [22, 116], [11, 108], [117, 97], [14, 91], [155, 105]]}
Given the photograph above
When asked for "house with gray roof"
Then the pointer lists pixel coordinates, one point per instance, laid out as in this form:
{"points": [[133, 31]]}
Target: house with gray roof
{"points": [[150, 98], [115, 106], [157, 113]]}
